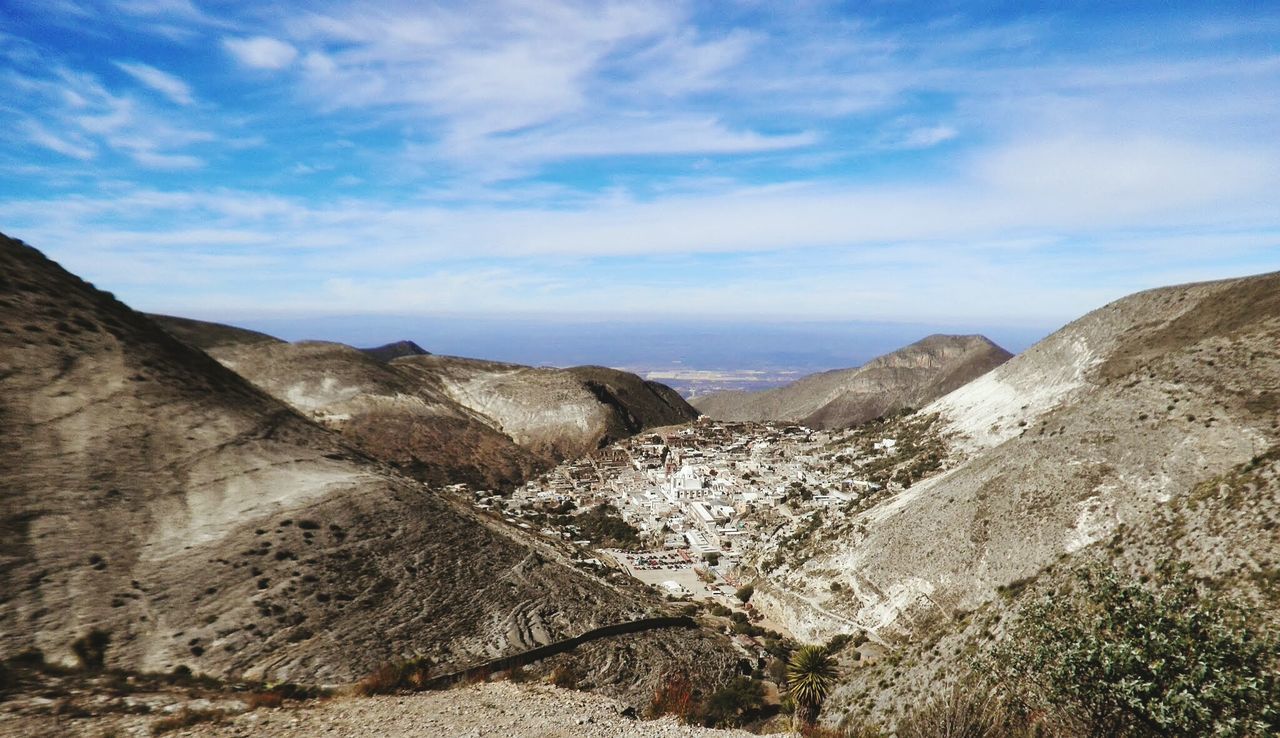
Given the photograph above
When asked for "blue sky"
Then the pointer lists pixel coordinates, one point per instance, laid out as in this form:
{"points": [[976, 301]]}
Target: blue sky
{"points": [[940, 163]]}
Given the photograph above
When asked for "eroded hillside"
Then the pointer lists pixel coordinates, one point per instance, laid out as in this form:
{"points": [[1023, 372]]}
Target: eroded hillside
{"points": [[152, 494]]}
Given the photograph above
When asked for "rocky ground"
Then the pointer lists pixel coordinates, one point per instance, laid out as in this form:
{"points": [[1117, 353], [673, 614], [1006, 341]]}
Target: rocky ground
{"points": [[493, 709]]}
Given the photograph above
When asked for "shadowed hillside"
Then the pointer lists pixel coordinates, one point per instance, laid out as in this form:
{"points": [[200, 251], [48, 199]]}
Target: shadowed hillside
{"points": [[390, 351]]}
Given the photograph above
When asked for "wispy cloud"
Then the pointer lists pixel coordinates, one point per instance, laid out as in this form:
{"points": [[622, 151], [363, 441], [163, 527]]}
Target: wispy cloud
{"points": [[166, 84], [40, 136], [261, 52]]}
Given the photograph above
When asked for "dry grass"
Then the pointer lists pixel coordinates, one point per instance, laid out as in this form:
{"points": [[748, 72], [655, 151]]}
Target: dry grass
{"points": [[269, 700], [185, 718], [400, 676]]}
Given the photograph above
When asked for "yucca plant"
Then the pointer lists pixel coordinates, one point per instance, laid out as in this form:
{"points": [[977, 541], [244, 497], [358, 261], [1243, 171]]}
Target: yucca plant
{"points": [[811, 672]]}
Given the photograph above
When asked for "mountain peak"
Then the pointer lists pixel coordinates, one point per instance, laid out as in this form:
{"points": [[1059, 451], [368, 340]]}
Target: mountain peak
{"points": [[390, 351]]}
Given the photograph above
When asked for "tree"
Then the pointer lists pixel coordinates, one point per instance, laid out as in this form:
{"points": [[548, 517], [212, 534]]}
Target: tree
{"points": [[1118, 657], [811, 672], [744, 593]]}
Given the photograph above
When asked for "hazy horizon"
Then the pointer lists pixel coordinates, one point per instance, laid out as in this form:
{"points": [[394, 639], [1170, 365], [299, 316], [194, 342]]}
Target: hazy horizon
{"points": [[636, 344]]}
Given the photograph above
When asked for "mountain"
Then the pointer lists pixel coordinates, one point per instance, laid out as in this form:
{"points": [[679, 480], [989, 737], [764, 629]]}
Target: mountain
{"points": [[155, 496], [1146, 430], [446, 419], [389, 351], [909, 377]]}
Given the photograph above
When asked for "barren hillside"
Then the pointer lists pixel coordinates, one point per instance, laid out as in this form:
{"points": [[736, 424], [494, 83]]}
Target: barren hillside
{"points": [[1095, 437], [909, 377], [154, 495], [407, 421], [445, 419]]}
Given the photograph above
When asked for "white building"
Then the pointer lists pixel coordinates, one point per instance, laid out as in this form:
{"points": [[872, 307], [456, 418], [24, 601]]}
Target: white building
{"points": [[686, 484]]}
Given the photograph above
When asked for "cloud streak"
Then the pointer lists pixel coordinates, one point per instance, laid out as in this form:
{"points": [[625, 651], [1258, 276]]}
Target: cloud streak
{"points": [[166, 84]]}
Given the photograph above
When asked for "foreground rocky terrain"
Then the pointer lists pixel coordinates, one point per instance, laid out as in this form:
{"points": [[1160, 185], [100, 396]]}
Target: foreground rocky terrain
{"points": [[493, 709], [907, 378], [442, 419], [159, 512]]}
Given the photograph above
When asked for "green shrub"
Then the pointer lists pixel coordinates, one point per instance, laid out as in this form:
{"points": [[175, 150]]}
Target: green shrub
{"points": [[744, 593], [838, 642], [1118, 657], [737, 702]]}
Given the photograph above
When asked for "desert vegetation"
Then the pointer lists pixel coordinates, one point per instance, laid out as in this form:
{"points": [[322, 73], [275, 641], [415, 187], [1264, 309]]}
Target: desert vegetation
{"points": [[1107, 654]]}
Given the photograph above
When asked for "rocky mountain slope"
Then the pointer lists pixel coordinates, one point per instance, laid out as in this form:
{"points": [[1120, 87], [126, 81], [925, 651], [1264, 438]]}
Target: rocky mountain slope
{"points": [[156, 497], [1145, 430], [909, 377], [445, 419]]}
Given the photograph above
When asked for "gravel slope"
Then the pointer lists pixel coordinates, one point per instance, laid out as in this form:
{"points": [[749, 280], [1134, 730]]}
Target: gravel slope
{"points": [[495, 709]]}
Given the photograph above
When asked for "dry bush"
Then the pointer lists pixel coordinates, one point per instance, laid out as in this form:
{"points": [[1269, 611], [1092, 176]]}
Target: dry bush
{"points": [[185, 718], [269, 700], [961, 711], [396, 676], [673, 697], [847, 731], [564, 677]]}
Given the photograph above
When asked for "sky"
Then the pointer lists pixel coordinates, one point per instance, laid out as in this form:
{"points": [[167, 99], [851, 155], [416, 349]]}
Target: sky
{"points": [[987, 166]]}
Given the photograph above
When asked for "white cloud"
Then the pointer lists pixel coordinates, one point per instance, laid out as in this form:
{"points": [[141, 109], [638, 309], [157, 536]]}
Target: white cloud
{"points": [[928, 136], [515, 155], [261, 52], [155, 160], [1133, 174], [40, 136], [166, 84]]}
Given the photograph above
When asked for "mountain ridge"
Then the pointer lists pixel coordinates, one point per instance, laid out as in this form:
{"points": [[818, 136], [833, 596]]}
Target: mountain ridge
{"points": [[908, 377]]}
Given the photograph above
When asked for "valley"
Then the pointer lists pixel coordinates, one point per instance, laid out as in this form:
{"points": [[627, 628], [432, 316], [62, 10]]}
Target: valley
{"points": [[574, 369], [317, 515]]}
